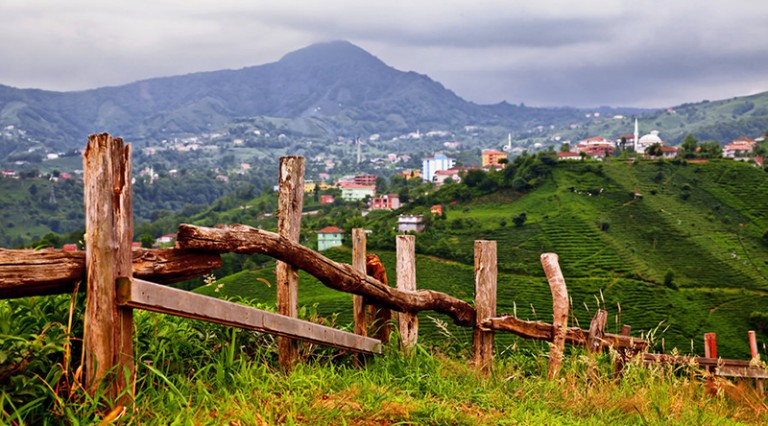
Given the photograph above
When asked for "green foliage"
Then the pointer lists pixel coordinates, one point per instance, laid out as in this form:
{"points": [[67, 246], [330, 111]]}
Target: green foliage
{"points": [[520, 219]]}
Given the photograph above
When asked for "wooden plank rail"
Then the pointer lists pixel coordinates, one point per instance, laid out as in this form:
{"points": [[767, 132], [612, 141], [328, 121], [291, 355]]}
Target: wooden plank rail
{"points": [[44, 272], [140, 294], [718, 366], [248, 240], [539, 330]]}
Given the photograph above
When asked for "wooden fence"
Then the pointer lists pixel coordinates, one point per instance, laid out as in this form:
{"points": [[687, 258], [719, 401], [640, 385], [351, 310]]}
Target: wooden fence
{"points": [[120, 279]]}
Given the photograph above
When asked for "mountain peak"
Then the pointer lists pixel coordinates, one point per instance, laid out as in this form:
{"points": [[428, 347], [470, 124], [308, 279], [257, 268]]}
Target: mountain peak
{"points": [[329, 52]]}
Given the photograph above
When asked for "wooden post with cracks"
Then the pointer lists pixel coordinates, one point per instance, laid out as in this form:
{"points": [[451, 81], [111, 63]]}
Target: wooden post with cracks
{"points": [[289, 207], [359, 264], [485, 303], [559, 311], [108, 342], [596, 331], [406, 281]]}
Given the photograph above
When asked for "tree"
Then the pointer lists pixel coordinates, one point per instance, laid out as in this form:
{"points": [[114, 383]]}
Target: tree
{"points": [[381, 185], [711, 149], [146, 240], [474, 177], [520, 219], [689, 145], [654, 150]]}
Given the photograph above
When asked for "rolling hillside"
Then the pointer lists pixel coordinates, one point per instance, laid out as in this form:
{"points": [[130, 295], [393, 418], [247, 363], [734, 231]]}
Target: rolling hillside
{"points": [[687, 252]]}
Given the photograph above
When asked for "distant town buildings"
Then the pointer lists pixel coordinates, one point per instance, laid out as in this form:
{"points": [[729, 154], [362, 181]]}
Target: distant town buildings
{"points": [[739, 149], [355, 192], [598, 147], [491, 158], [430, 165], [385, 202]]}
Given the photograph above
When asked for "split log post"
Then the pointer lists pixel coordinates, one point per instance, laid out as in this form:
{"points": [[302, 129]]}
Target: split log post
{"points": [[710, 351], [381, 317], [596, 331], [710, 345], [485, 303], [623, 352], [755, 359], [559, 312], [406, 281], [108, 339], [290, 203], [358, 263], [753, 345]]}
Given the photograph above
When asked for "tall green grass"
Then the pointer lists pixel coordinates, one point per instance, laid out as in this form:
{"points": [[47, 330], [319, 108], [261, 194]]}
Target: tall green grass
{"points": [[190, 373]]}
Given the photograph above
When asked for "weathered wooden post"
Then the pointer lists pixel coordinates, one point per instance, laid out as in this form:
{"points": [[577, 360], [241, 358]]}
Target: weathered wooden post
{"points": [[406, 281], [753, 345], [596, 331], [290, 203], [559, 312], [358, 263], [624, 352], [109, 231], [710, 345], [485, 303], [755, 359]]}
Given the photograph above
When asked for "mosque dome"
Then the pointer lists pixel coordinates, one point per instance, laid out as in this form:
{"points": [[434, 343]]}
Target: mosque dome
{"points": [[650, 139]]}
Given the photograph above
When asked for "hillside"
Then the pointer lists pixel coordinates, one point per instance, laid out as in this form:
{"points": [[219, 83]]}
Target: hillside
{"points": [[721, 120], [688, 253]]}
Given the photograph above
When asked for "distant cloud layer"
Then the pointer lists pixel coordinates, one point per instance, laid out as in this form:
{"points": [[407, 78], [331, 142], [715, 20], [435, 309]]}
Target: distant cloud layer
{"points": [[614, 52]]}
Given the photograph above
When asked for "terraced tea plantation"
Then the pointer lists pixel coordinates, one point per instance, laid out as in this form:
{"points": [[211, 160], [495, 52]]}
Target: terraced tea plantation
{"points": [[679, 245]]}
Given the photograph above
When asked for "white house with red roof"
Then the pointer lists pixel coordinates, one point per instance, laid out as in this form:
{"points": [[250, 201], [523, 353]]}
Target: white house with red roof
{"points": [[568, 155], [328, 237], [739, 148], [596, 146]]}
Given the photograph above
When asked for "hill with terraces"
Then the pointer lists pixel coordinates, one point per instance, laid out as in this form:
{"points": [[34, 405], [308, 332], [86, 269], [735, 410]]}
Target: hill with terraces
{"points": [[674, 249]]}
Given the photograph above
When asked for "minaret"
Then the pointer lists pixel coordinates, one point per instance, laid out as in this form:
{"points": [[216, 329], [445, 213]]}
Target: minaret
{"points": [[358, 151], [637, 137]]}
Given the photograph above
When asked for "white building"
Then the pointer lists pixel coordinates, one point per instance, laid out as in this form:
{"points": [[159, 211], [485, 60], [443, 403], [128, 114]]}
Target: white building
{"points": [[407, 223], [432, 164], [648, 140]]}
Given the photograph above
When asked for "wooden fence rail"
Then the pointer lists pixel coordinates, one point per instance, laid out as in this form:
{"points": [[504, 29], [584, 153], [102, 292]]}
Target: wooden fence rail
{"points": [[45, 272]]}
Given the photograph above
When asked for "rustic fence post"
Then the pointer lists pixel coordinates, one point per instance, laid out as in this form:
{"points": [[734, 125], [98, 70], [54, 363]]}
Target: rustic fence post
{"points": [[624, 352], [290, 203], [596, 331], [753, 345], [755, 359], [710, 345], [109, 231], [406, 280], [485, 303], [358, 263], [559, 311]]}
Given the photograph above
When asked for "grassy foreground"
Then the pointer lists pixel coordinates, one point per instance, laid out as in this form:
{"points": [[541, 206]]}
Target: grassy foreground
{"points": [[194, 373]]}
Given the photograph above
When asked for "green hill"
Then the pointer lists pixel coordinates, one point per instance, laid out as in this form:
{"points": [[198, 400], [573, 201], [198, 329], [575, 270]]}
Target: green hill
{"points": [[686, 252]]}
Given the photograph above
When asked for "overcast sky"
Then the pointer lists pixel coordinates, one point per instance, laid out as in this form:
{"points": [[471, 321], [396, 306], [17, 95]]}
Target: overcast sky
{"points": [[645, 53]]}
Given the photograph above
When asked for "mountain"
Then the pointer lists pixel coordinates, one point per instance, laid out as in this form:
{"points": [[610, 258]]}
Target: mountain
{"points": [[333, 88], [326, 91]]}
